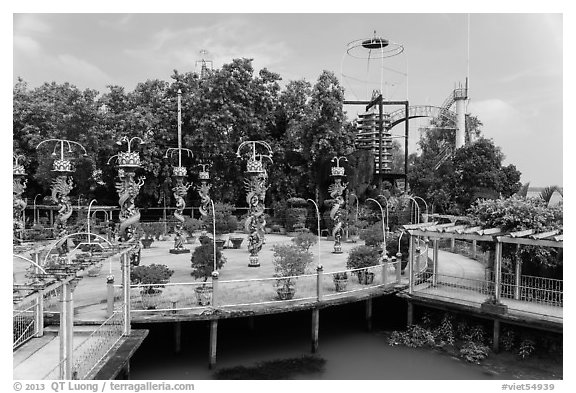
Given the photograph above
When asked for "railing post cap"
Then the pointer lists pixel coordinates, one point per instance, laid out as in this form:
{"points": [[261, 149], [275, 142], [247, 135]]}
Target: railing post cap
{"points": [[319, 268], [110, 279], [215, 275]]}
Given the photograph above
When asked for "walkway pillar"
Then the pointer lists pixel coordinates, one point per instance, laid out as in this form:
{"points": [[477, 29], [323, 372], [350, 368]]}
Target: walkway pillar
{"points": [[497, 270], [369, 314], [66, 333], [126, 292], [109, 296], [517, 279], [315, 328], [177, 336], [474, 247], [452, 244], [40, 314], [496, 337], [412, 247], [319, 271], [213, 343], [435, 262]]}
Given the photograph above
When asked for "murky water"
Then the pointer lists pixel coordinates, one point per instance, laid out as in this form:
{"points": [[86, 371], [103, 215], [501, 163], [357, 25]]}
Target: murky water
{"points": [[351, 352]]}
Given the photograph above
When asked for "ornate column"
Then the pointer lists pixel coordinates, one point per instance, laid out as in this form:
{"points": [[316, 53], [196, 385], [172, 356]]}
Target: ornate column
{"points": [[336, 190], [128, 189], [255, 185], [204, 190], [61, 187], [18, 203], [180, 190]]}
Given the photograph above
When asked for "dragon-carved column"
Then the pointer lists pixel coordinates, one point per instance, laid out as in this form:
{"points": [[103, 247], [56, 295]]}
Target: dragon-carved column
{"points": [[61, 187], [180, 191], [204, 191], [18, 203], [336, 190]]}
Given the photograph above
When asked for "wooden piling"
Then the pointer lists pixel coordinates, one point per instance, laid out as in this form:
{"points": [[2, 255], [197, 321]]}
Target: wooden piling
{"points": [[177, 337], [410, 317], [496, 337], [315, 329], [213, 342], [369, 314]]}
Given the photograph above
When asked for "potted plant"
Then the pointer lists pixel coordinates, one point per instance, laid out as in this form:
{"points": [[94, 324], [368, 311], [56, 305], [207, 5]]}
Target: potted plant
{"points": [[148, 231], [289, 260], [236, 242], [226, 222], [372, 235], [362, 258], [151, 277], [296, 215], [493, 306], [202, 263], [191, 225], [305, 240], [340, 281]]}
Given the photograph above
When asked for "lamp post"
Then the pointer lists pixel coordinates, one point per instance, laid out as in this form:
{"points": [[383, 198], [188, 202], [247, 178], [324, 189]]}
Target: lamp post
{"points": [[335, 190], [416, 210], [255, 185], [383, 225], [127, 188], [387, 212], [19, 204], [180, 189], [35, 217], [89, 207], [318, 217], [62, 186], [426, 205]]}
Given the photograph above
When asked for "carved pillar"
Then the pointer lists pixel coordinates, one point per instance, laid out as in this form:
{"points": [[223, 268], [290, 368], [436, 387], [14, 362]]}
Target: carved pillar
{"points": [[180, 190], [336, 190], [18, 203]]}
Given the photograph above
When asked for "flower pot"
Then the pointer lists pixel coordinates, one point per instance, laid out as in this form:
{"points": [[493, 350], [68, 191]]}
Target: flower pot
{"points": [[220, 243], [236, 242], [150, 298], [365, 277], [204, 295], [146, 242], [190, 239], [285, 293], [340, 284]]}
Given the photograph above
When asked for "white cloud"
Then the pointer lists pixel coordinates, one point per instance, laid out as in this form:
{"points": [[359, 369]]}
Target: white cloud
{"points": [[26, 45], [75, 69], [30, 23]]}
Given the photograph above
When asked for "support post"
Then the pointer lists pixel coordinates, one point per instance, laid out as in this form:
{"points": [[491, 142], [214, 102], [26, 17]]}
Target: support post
{"points": [[517, 279], [109, 296], [214, 287], [177, 337], [435, 262], [452, 244], [474, 248], [213, 343], [126, 291], [398, 270], [497, 270], [410, 316], [319, 271], [66, 333], [496, 337], [40, 314], [384, 271], [412, 247], [315, 329], [369, 314]]}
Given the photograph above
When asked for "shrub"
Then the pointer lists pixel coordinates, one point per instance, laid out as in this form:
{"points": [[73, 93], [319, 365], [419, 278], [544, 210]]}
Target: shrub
{"points": [[527, 347], [392, 240], [362, 257], [444, 333], [226, 222], [305, 240], [415, 337], [508, 339], [372, 235], [149, 275], [289, 260], [296, 218], [192, 225], [474, 352], [203, 259]]}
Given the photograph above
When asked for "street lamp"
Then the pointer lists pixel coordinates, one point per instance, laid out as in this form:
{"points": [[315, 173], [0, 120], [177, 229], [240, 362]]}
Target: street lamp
{"points": [[425, 204], [89, 207], [318, 216], [387, 213]]}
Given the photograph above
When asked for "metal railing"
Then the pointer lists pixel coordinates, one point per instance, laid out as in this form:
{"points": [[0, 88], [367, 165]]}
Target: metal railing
{"points": [[312, 287], [24, 320], [96, 346], [532, 289]]}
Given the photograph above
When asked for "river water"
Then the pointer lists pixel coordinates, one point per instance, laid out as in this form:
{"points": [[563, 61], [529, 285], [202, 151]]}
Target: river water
{"points": [[350, 351]]}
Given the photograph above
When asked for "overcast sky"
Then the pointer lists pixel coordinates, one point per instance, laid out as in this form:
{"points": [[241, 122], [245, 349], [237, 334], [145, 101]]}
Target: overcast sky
{"points": [[514, 62]]}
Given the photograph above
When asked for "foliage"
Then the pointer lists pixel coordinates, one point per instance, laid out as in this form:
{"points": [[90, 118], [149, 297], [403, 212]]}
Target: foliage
{"points": [[547, 192], [392, 240], [526, 349], [372, 235], [151, 274], [305, 240], [296, 218], [444, 333], [192, 225], [148, 230], [362, 257], [340, 276], [415, 337], [289, 260], [508, 339], [226, 222], [474, 352], [203, 259]]}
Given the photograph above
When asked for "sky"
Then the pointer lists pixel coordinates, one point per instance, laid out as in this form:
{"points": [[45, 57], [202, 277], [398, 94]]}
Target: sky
{"points": [[514, 62]]}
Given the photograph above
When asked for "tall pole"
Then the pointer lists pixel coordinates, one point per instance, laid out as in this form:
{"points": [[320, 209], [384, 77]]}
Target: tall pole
{"points": [[88, 222], [318, 218]]}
